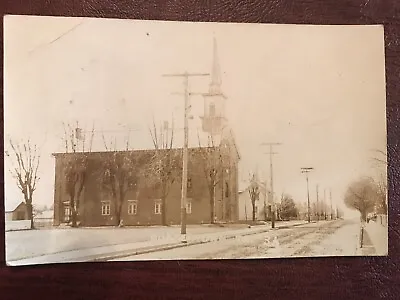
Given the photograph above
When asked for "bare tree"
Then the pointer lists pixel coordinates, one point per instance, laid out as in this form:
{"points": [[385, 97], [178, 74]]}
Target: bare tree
{"points": [[361, 195], [254, 193], [279, 206], [25, 160], [380, 157], [212, 166], [382, 204], [121, 171], [76, 165], [165, 166], [380, 163]]}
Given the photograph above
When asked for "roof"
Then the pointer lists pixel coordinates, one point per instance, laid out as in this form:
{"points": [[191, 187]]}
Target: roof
{"points": [[244, 186], [11, 206], [143, 141], [105, 153]]}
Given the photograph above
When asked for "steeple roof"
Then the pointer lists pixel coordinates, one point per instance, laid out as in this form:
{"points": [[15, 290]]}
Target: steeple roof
{"points": [[216, 80]]}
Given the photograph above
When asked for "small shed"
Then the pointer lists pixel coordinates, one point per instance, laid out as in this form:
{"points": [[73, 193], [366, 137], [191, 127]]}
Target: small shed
{"points": [[17, 212]]}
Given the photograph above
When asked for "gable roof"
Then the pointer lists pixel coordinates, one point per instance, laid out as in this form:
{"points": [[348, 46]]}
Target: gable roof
{"points": [[244, 186], [10, 207], [143, 141]]}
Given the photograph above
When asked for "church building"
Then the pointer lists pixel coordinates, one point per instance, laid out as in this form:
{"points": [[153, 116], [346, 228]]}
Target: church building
{"points": [[212, 191]]}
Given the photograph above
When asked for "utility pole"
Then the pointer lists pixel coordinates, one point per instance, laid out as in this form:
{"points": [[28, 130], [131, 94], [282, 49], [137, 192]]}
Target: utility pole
{"points": [[265, 201], [317, 205], [306, 171], [185, 76], [325, 216], [272, 179], [330, 197]]}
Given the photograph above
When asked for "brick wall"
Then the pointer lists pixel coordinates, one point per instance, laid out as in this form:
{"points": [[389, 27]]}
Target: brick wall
{"points": [[94, 195]]}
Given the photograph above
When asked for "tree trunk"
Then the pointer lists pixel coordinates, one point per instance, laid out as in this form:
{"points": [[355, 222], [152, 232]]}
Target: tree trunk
{"points": [[384, 206], [163, 211], [212, 205], [265, 211], [73, 217], [73, 211], [117, 212], [364, 215], [120, 202], [254, 210], [30, 213]]}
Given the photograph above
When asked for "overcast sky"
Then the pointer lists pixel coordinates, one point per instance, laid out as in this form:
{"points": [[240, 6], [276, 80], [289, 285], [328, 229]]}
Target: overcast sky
{"points": [[319, 90]]}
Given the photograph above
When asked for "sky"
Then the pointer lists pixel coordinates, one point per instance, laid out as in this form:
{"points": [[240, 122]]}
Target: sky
{"points": [[318, 90]]}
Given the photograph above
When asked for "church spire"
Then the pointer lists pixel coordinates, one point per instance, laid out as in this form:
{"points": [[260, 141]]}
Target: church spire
{"points": [[215, 85], [214, 101]]}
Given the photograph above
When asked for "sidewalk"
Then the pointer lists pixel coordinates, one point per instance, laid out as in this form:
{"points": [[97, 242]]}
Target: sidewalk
{"points": [[378, 235], [104, 253], [32, 243]]}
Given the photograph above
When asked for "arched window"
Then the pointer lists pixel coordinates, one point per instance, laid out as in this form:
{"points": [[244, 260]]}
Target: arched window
{"points": [[226, 190]]}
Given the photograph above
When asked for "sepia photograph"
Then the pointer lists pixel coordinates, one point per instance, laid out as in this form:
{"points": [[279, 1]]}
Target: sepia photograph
{"points": [[128, 140]]}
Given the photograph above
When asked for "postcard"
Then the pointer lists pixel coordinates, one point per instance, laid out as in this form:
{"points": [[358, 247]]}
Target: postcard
{"points": [[131, 140]]}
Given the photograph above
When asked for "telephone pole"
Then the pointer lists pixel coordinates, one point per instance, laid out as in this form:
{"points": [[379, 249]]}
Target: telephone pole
{"points": [[265, 200], [325, 207], [185, 76], [306, 171], [317, 205], [271, 153], [330, 197]]}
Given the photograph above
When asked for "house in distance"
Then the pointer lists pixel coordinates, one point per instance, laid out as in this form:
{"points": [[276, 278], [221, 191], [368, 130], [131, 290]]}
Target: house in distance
{"points": [[17, 212]]}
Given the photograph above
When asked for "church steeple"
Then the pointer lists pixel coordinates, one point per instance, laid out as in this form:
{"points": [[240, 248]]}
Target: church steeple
{"points": [[214, 101], [215, 85]]}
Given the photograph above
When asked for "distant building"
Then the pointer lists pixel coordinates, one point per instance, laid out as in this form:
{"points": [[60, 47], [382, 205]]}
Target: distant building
{"points": [[246, 208], [17, 213]]}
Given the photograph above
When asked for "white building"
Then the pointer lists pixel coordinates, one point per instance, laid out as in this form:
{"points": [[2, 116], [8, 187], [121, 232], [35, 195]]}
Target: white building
{"points": [[246, 208]]}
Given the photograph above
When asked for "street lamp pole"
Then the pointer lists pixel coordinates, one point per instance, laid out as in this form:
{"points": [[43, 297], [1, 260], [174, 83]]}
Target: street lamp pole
{"points": [[306, 171]]}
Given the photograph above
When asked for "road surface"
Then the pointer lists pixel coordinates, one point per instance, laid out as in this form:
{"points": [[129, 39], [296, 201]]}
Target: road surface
{"points": [[324, 238]]}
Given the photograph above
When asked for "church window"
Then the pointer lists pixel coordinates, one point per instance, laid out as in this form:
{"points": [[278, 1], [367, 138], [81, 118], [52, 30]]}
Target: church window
{"points": [[212, 109]]}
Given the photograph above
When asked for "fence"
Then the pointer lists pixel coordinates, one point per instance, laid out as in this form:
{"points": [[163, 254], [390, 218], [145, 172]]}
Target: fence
{"points": [[43, 223]]}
